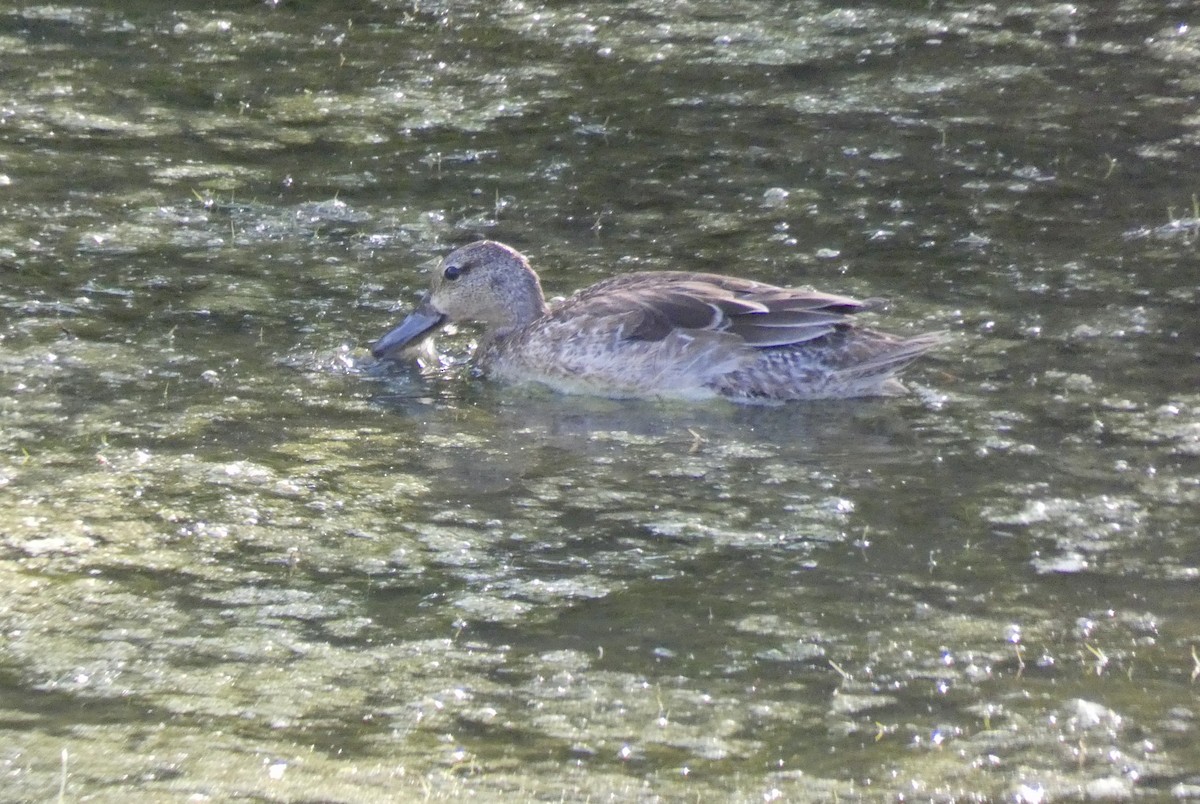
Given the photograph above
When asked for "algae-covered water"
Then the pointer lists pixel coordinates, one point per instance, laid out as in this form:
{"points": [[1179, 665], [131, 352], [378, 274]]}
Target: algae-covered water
{"points": [[241, 560]]}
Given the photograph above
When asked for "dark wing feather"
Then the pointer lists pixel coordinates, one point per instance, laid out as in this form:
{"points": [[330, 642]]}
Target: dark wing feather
{"points": [[653, 305]]}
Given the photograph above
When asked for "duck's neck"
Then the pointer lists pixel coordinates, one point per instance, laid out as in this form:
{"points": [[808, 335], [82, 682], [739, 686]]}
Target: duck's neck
{"points": [[522, 309]]}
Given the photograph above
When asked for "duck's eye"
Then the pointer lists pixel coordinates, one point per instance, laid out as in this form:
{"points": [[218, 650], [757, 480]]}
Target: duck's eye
{"points": [[453, 272]]}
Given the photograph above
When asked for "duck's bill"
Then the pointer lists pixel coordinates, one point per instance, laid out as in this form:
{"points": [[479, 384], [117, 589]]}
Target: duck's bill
{"points": [[418, 325]]}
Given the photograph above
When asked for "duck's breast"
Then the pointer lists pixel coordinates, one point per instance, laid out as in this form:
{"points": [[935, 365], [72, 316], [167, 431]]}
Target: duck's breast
{"points": [[594, 355]]}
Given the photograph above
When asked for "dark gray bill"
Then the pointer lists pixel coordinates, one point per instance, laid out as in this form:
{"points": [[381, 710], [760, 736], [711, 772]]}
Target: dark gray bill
{"points": [[420, 323]]}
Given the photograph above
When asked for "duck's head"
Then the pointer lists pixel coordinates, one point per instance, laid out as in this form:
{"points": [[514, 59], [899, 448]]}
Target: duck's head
{"points": [[485, 282]]}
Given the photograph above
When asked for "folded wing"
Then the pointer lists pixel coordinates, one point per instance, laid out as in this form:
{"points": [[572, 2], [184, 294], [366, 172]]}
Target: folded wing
{"points": [[654, 305]]}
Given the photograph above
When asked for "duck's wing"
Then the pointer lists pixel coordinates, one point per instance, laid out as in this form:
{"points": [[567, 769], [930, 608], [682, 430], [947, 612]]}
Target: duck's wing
{"points": [[652, 306]]}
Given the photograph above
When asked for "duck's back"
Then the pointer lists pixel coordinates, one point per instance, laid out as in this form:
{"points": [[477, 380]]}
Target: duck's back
{"points": [[693, 335]]}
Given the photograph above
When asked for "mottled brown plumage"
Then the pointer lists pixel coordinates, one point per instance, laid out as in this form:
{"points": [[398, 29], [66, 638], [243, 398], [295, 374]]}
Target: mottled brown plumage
{"points": [[659, 334]]}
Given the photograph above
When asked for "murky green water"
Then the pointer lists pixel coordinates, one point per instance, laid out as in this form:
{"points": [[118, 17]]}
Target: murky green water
{"points": [[241, 561]]}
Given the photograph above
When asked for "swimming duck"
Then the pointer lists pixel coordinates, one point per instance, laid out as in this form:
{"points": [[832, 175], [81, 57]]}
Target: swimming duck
{"points": [[659, 334]]}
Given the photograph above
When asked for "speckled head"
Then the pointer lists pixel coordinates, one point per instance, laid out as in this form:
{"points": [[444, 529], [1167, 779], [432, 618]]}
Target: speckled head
{"points": [[485, 282]]}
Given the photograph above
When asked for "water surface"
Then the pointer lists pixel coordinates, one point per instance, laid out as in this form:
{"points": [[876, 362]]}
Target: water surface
{"points": [[240, 560]]}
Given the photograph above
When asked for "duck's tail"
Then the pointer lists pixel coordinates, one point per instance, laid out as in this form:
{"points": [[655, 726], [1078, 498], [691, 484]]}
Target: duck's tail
{"points": [[845, 364], [877, 374]]}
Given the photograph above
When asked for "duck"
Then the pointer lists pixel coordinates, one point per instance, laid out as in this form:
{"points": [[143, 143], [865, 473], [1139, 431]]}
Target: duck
{"points": [[658, 334]]}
